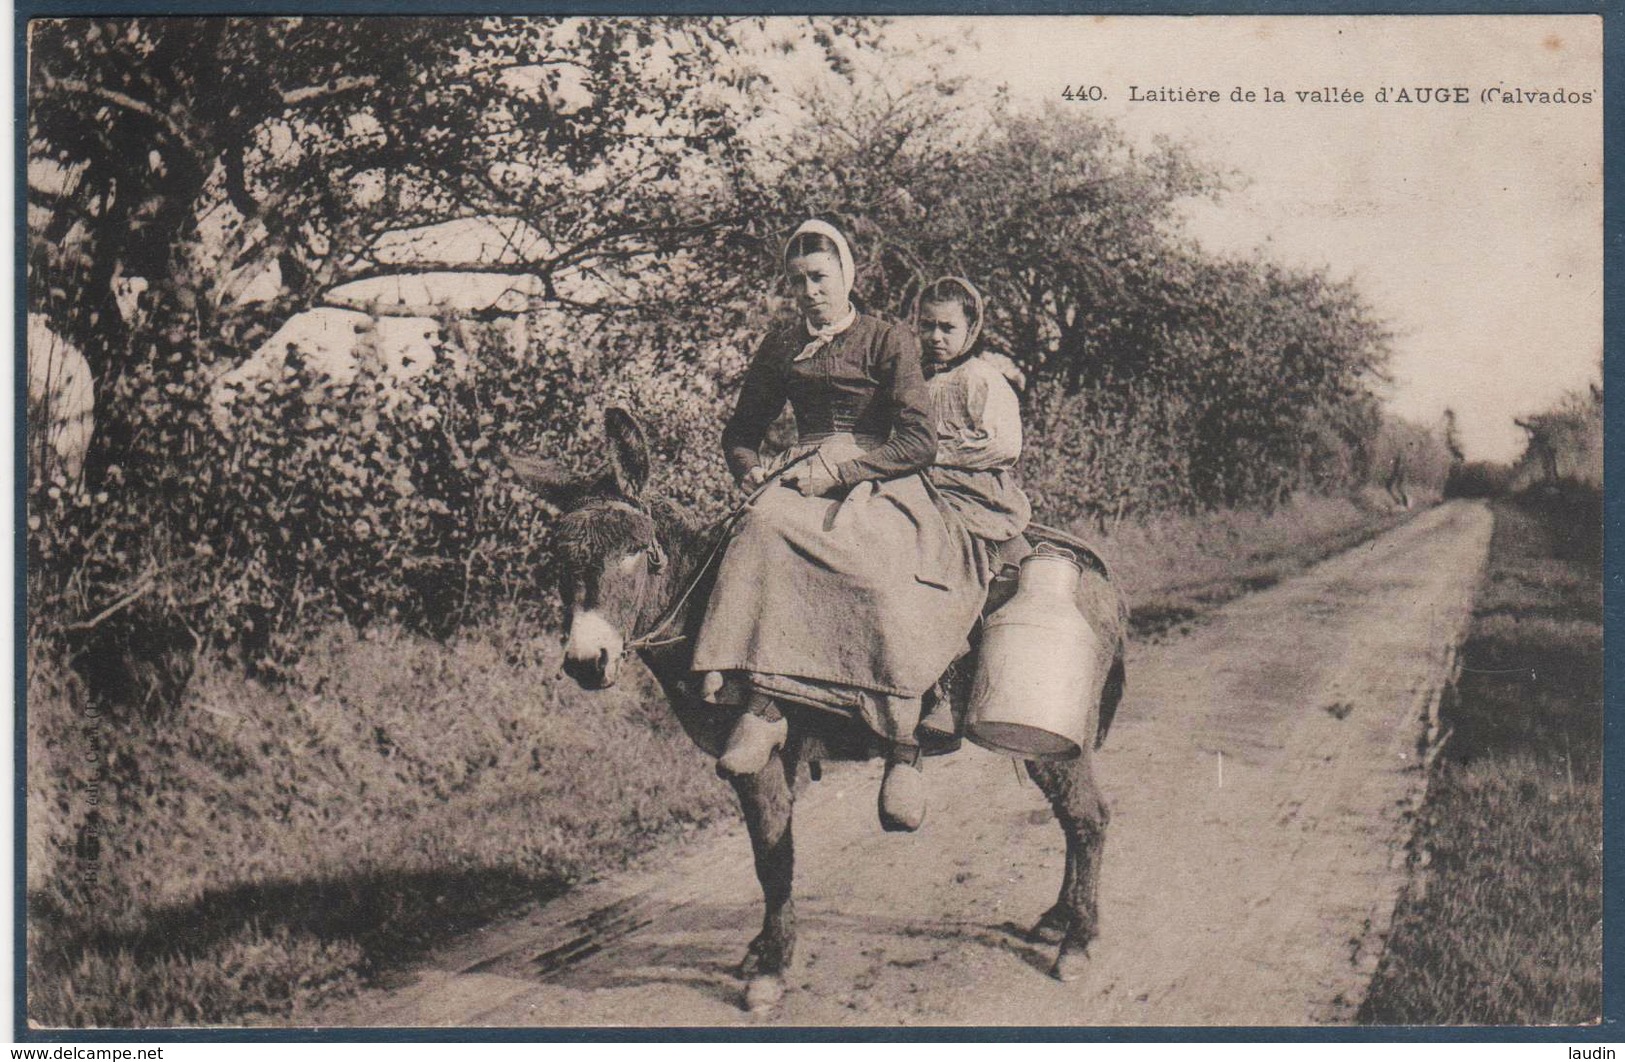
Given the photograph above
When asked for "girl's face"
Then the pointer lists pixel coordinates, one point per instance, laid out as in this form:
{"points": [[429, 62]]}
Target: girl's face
{"points": [[943, 331], [819, 288]]}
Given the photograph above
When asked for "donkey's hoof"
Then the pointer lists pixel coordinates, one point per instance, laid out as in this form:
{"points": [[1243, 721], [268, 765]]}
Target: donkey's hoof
{"points": [[1071, 964], [1051, 926], [751, 964], [763, 993]]}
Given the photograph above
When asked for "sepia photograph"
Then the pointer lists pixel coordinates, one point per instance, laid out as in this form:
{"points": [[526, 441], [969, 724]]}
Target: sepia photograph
{"points": [[462, 455]]}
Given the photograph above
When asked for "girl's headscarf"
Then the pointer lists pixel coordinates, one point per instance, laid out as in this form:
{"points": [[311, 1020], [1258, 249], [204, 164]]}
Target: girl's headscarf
{"points": [[843, 251], [934, 292]]}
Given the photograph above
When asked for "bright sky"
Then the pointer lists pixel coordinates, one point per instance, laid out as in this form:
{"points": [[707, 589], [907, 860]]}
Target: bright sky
{"points": [[1475, 228]]}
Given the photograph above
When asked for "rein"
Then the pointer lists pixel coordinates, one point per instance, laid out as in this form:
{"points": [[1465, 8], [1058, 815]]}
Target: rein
{"points": [[653, 638]]}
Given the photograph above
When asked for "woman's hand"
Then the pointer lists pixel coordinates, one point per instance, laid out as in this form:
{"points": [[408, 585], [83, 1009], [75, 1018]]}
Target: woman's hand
{"points": [[752, 479], [813, 479]]}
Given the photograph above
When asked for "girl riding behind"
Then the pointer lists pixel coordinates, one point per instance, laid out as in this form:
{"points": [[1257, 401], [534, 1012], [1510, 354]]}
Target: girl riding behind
{"points": [[977, 419]]}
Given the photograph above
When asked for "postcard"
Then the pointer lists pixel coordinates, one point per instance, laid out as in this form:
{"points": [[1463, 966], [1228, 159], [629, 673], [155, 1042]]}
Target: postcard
{"points": [[545, 523]]}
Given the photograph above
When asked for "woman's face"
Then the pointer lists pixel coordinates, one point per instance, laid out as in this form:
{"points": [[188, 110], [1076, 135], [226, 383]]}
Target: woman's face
{"points": [[943, 331], [819, 288]]}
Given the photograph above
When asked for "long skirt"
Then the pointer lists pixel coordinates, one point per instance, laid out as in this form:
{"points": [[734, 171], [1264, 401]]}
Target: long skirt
{"points": [[868, 594]]}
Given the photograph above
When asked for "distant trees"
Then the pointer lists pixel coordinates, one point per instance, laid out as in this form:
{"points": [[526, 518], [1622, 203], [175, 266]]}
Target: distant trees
{"points": [[1565, 442], [1451, 434]]}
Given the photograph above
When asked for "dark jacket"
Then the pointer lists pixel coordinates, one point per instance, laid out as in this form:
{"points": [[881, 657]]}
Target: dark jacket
{"points": [[866, 381]]}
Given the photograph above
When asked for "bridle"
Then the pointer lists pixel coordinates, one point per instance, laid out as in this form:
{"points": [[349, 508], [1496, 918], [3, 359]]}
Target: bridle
{"points": [[656, 637], [655, 559]]}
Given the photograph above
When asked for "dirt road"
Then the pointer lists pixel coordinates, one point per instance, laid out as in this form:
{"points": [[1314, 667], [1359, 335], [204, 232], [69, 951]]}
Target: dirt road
{"points": [[1260, 778]]}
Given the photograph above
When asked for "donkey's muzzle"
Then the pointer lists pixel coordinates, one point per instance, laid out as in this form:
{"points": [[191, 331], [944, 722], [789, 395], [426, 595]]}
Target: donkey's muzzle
{"points": [[595, 672], [592, 656]]}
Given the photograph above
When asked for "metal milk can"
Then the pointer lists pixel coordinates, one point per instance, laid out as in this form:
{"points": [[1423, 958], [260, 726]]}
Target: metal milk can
{"points": [[1035, 670]]}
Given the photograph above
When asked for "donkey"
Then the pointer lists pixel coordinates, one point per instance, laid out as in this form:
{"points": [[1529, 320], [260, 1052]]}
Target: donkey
{"points": [[633, 575]]}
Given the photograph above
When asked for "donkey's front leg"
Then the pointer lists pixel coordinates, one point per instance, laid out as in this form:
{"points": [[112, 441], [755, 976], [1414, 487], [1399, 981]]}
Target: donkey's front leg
{"points": [[1083, 816], [767, 799]]}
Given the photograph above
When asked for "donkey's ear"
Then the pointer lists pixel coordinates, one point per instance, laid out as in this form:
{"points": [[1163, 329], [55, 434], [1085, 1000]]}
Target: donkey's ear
{"points": [[628, 452], [556, 486]]}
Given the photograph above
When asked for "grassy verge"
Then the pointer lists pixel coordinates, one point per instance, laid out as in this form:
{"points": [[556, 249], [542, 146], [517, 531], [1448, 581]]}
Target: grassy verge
{"points": [[1503, 921], [1175, 569], [266, 850]]}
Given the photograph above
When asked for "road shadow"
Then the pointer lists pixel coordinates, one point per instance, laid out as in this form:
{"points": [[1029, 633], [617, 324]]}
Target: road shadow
{"points": [[393, 916]]}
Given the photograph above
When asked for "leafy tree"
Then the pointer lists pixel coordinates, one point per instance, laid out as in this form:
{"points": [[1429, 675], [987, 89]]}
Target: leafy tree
{"points": [[197, 154]]}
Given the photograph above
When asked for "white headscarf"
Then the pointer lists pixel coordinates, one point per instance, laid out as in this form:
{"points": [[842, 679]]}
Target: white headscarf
{"points": [[822, 336]]}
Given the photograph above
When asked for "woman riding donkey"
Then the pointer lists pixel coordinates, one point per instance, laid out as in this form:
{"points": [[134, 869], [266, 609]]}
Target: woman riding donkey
{"points": [[851, 583]]}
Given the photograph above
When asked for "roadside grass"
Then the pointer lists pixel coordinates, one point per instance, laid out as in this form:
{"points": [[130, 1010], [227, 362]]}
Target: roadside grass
{"points": [[1502, 924], [264, 851], [1177, 568]]}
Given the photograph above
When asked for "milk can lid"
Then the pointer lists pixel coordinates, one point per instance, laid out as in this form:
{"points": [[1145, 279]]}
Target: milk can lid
{"points": [[1054, 551]]}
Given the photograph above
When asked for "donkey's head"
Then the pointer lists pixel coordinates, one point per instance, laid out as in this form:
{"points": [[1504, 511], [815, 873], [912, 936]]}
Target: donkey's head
{"points": [[606, 549]]}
